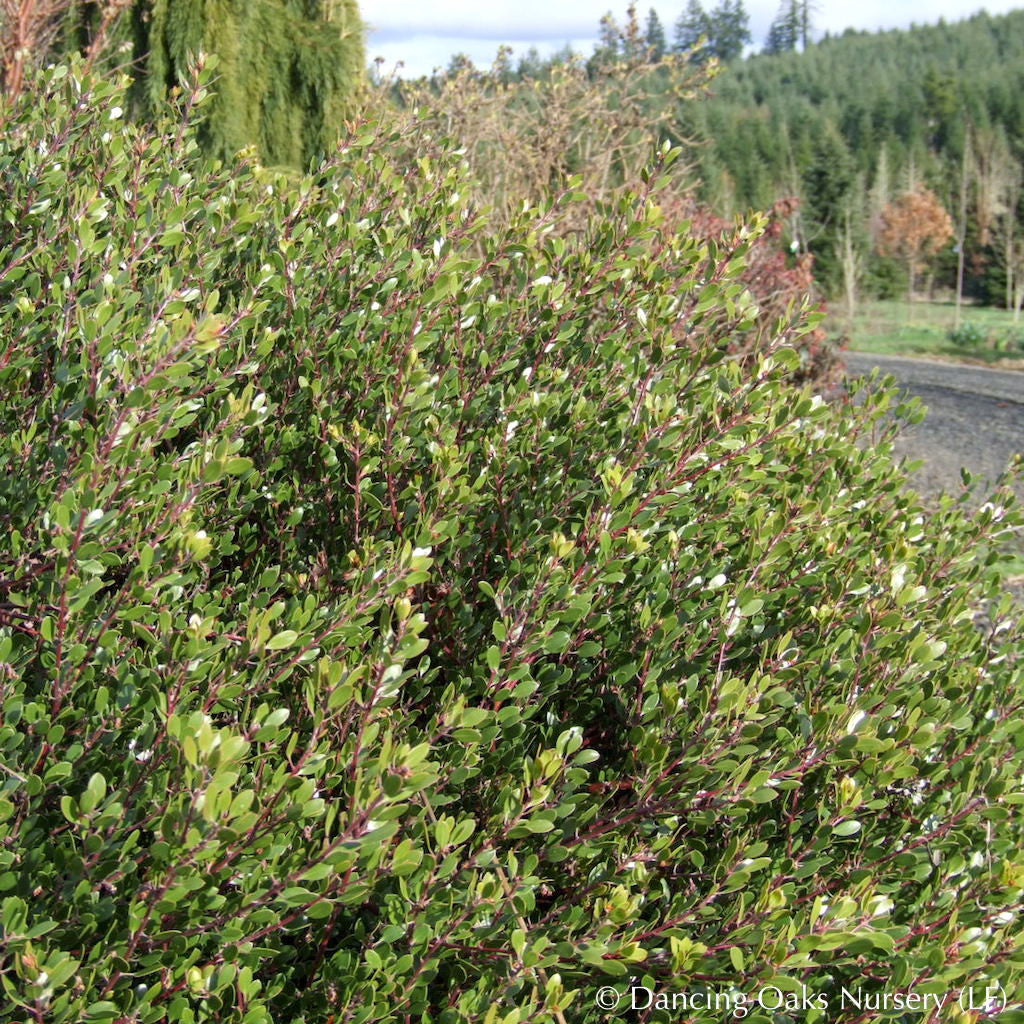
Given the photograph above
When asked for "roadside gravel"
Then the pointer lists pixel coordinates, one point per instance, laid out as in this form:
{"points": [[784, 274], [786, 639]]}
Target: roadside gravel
{"points": [[975, 418]]}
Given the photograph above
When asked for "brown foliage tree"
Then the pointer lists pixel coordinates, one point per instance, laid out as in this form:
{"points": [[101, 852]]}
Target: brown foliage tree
{"points": [[525, 136], [779, 283], [914, 228]]}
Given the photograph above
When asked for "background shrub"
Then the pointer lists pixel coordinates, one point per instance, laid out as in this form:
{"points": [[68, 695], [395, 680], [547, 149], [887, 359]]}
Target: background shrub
{"points": [[779, 283], [400, 622], [968, 334]]}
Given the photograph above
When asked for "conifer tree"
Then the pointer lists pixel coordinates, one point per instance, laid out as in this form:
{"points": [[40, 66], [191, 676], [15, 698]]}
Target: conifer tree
{"points": [[290, 71], [791, 28], [654, 35], [730, 29], [784, 33], [693, 25], [606, 50]]}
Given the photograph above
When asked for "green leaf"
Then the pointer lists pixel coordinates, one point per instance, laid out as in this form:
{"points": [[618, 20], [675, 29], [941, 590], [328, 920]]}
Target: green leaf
{"points": [[279, 641], [556, 643], [849, 827]]}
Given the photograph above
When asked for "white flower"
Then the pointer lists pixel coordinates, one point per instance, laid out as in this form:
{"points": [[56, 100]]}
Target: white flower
{"points": [[997, 511], [140, 755]]}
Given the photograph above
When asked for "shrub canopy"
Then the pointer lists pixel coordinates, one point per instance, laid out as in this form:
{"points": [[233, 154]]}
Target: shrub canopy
{"points": [[399, 621]]}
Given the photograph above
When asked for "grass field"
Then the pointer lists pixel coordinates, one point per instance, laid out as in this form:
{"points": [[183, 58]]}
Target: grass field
{"points": [[985, 335]]}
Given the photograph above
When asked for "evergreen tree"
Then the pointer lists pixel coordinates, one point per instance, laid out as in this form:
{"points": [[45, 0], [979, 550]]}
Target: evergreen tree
{"points": [[459, 63], [693, 25], [290, 71], [827, 182], [784, 33], [654, 35], [804, 8], [791, 28], [609, 35], [729, 29], [531, 64]]}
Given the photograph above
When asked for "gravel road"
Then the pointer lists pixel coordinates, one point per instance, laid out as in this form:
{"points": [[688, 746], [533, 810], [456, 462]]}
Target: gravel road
{"points": [[975, 417]]}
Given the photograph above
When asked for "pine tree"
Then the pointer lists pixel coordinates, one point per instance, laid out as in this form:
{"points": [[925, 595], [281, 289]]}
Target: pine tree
{"points": [[606, 50], [290, 71], [791, 28], [729, 29], [784, 33], [805, 7], [654, 35], [693, 25]]}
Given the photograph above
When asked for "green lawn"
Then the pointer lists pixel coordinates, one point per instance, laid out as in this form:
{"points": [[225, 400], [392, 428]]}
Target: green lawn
{"points": [[985, 335]]}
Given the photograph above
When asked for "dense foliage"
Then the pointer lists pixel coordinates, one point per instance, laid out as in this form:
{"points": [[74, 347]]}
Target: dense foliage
{"points": [[400, 622], [589, 127]]}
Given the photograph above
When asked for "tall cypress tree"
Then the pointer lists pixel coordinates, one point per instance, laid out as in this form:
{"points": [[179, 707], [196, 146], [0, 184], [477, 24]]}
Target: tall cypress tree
{"points": [[289, 73], [784, 33]]}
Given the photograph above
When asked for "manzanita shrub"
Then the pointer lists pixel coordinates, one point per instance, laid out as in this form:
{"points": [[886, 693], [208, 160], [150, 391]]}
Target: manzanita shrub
{"points": [[399, 622]]}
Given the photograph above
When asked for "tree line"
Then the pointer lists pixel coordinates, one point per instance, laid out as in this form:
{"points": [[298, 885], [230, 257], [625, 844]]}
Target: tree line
{"points": [[722, 31], [855, 123], [861, 128]]}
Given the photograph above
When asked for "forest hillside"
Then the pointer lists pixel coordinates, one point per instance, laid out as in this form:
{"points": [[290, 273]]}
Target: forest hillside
{"points": [[856, 121]]}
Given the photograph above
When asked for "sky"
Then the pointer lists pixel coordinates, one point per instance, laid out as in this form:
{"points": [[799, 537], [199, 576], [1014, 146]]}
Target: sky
{"points": [[424, 35]]}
